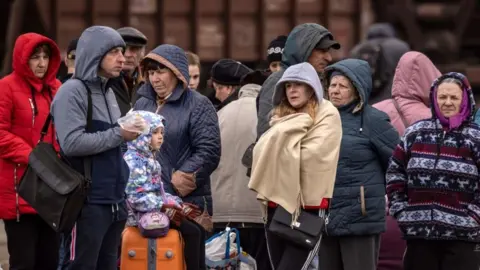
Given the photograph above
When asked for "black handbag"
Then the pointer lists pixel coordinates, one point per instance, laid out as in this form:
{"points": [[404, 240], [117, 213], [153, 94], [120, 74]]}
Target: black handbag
{"points": [[247, 158], [51, 186], [305, 232]]}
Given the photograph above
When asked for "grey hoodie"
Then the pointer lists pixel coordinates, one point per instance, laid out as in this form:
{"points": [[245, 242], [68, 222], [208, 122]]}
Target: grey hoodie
{"points": [[300, 44], [69, 111], [304, 73]]}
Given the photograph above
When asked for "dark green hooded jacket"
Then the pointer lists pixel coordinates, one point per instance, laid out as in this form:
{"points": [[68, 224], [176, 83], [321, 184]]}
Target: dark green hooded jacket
{"points": [[368, 142]]}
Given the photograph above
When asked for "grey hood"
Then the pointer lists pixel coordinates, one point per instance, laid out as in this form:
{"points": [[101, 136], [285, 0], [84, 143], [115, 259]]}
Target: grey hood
{"points": [[94, 43], [304, 73], [381, 30]]}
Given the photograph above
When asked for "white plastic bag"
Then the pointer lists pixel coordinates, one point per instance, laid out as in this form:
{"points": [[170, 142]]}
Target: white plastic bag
{"points": [[215, 249], [134, 122]]}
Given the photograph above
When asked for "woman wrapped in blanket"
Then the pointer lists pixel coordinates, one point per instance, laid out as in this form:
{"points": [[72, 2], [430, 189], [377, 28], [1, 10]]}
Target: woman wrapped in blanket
{"points": [[295, 161]]}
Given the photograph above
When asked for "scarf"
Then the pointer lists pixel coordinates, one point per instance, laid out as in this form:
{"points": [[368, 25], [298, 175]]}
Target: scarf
{"points": [[456, 120]]}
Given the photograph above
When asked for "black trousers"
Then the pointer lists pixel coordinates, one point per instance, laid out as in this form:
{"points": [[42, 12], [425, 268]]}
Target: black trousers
{"points": [[441, 255], [194, 236], [31, 244], [252, 241], [285, 255], [96, 237]]}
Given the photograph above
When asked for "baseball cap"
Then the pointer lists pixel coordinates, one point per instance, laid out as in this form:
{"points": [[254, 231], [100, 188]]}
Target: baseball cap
{"points": [[328, 42]]}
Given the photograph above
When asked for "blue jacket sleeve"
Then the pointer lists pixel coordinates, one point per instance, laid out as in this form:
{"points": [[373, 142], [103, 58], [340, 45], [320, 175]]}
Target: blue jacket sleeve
{"points": [[205, 136], [142, 195]]}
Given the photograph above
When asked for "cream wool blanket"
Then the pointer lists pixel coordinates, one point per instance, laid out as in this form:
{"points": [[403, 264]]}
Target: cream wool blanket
{"points": [[295, 161]]}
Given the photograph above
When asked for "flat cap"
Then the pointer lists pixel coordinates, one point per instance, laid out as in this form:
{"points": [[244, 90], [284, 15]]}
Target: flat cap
{"points": [[132, 36]]}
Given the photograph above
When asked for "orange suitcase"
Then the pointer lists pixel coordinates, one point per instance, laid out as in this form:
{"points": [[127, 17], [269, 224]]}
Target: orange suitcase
{"points": [[139, 253]]}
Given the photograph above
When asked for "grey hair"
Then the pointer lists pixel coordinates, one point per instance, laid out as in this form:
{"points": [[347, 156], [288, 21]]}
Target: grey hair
{"points": [[452, 80]]}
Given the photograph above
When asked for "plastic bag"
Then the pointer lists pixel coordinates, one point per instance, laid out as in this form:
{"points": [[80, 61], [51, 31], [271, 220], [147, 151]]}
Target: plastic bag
{"points": [[216, 248], [247, 262], [222, 250], [134, 122]]}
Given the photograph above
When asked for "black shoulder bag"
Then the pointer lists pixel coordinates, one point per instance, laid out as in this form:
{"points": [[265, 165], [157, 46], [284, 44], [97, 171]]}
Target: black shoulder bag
{"points": [[305, 232], [51, 186]]}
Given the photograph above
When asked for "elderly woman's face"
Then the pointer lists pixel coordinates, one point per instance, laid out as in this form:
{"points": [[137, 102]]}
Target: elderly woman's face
{"points": [[449, 99], [163, 81], [341, 91], [298, 94]]}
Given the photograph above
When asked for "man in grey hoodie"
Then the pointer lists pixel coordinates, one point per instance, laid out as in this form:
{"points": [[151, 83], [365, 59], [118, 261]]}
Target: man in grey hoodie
{"points": [[96, 235], [308, 42]]}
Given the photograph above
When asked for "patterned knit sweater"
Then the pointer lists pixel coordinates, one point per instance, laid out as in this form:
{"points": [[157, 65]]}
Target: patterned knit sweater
{"points": [[433, 182]]}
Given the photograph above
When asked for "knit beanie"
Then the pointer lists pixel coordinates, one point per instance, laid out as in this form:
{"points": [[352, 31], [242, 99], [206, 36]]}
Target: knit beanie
{"points": [[275, 49]]}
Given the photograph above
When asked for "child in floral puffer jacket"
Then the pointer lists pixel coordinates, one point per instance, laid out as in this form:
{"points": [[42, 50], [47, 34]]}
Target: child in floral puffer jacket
{"points": [[145, 190]]}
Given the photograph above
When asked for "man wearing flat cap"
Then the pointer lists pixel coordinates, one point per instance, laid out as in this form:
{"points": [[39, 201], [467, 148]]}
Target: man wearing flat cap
{"points": [[226, 75], [308, 42], [130, 79]]}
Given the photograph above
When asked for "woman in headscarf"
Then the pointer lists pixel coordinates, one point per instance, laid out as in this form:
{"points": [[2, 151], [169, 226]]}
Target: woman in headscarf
{"points": [[288, 170], [357, 209], [433, 181], [410, 103]]}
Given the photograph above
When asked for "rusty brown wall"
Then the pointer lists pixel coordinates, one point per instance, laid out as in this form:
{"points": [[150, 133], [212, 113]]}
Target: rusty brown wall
{"points": [[239, 29]]}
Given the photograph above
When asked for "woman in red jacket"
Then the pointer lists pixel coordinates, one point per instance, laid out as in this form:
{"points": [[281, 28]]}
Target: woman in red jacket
{"points": [[25, 98]]}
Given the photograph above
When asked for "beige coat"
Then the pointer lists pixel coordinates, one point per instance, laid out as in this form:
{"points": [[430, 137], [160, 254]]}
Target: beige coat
{"points": [[295, 161], [232, 200]]}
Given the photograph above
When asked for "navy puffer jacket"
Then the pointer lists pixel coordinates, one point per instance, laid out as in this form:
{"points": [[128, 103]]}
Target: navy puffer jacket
{"points": [[192, 135]]}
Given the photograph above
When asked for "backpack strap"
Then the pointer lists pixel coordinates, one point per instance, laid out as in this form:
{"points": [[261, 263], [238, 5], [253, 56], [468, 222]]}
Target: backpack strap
{"points": [[87, 161]]}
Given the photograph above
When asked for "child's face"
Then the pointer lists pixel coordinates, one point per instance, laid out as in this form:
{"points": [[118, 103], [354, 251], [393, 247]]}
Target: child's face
{"points": [[157, 138]]}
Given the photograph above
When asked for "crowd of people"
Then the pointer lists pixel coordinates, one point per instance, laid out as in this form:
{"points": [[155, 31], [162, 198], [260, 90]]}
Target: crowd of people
{"points": [[381, 146]]}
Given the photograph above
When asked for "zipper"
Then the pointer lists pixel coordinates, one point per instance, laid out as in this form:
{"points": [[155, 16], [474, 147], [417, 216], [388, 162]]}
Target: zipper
{"points": [[108, 108], [33, 111], [15, 180]]}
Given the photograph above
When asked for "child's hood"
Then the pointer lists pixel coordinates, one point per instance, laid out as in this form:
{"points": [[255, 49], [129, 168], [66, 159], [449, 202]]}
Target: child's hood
{"points": [[142, 143]]}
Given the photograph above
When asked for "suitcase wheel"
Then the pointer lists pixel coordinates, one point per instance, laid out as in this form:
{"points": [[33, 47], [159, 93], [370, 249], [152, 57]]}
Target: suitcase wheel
{"points": [[131, 253], [169, 254]]}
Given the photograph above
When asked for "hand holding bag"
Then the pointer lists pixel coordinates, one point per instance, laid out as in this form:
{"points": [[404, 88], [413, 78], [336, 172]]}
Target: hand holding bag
{"points": [[305, 232]]}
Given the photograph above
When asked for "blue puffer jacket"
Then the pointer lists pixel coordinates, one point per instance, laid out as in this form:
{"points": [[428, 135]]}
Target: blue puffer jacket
{"points": [[367, 144], [192, 134]]}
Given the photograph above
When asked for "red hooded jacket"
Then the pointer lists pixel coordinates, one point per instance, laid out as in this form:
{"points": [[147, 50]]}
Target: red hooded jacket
{"points": [[20, 122]]}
